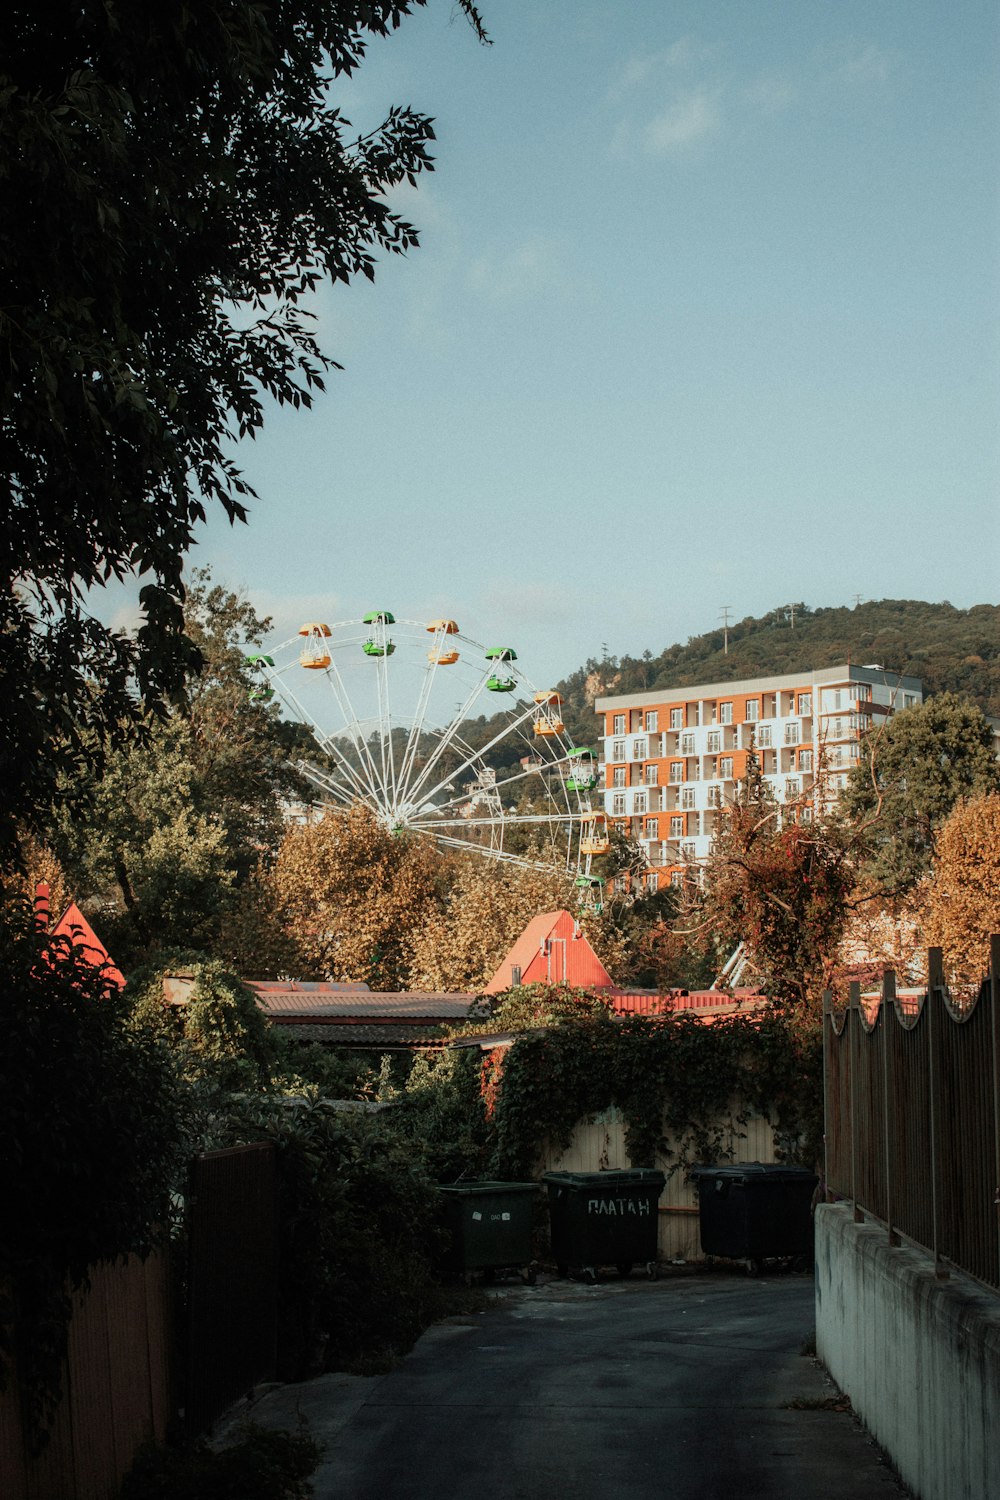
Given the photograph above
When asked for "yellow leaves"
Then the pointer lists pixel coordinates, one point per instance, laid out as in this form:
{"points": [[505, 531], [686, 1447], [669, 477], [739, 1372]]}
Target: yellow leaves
{"points": [[964, 900]]}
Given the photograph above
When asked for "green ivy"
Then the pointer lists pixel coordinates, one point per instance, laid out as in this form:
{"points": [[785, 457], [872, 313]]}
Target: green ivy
{"points": [[219, 1032], [672, 1076]]}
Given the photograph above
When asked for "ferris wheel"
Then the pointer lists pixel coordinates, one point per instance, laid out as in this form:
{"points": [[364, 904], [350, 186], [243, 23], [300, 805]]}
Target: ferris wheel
{"points": [[439, 736]]}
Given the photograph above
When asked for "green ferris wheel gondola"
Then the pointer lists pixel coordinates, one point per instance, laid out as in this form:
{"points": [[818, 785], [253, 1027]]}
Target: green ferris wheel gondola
{"points": [[378, 643], [260, 692], [584, 768], [501, 680]]}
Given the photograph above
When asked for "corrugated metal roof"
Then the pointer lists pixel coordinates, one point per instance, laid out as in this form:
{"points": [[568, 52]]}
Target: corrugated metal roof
{"points": [[365, 1005]]}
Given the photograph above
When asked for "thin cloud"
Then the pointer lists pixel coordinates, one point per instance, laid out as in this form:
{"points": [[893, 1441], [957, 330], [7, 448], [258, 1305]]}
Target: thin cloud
{"points": [[771, 94], [524, 270], [641, 68], [691, 118], [867, 65]]}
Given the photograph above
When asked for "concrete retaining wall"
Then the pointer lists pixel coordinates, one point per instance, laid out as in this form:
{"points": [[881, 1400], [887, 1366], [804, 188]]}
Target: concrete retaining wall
{"points": [[918, 1356]]}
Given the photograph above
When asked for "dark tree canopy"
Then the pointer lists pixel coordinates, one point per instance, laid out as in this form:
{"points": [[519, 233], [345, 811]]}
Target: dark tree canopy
{"points": [[174, 180]]}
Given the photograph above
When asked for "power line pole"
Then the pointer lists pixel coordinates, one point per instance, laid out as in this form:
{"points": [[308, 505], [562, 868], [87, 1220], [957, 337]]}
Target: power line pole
{"points": [[791, 615], [857, 599], [725, 628]]}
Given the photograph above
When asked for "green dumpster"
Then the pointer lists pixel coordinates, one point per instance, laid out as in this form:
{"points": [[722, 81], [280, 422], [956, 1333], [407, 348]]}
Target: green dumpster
{"points": [[489, 1227], [604, 1219]]}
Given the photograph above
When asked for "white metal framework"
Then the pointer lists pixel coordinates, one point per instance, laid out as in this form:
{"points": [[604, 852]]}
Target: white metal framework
{"points": [[393, 706]]}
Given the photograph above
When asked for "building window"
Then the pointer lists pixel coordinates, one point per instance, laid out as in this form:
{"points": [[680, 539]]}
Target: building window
{"points": [[652, 775], [714, 742], [687, 798], [855, 751], [687, 744], [619, 724], [651, 828], [715, 796], [805, 815], [726, 768], [752, 711], [677, 770], [676, 878], [641, 803], [652, 721], [652, 881], [764, 736], [687, 850], [792, 787], [676, 828], [725, 713], [805, 704], [909, 700], [618, 805], [639, 749], [617, 749], [806, 760], [619, 775], [677, 718], [791, 734]]}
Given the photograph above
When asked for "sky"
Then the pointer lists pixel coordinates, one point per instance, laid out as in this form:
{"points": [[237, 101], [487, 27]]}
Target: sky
{"points": [[705, 314]]}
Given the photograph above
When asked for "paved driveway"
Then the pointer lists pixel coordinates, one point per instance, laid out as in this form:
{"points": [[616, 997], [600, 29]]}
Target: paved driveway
{"points": [[678, 1390]]}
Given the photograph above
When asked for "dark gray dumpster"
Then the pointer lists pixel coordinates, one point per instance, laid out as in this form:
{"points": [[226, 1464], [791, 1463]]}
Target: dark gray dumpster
{"points": [[490, 1226], [604, 1219], [756, 1211]]}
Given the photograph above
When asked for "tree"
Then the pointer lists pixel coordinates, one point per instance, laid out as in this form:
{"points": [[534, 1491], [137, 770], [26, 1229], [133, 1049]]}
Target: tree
{"points": [[913, 770], [190, 181], [353, 895], [782, 887], [173, 826], [91, 1143], [963, 907], [486, 906]]}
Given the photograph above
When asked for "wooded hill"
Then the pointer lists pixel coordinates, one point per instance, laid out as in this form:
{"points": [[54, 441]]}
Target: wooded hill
{"points": [[955, 650]]}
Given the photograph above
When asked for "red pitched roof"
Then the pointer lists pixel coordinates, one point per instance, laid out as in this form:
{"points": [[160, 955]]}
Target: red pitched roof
{"points": [[74, 926], [551, 950]]}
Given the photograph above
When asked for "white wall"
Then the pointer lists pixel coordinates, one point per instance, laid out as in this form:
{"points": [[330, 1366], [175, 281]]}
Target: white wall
{"points": [[918, 1356]]}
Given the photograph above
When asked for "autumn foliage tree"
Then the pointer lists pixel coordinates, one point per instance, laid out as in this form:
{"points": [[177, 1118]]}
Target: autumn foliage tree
{"points": [[782, 887], [963, 905], [354, 895], [486, 905]]}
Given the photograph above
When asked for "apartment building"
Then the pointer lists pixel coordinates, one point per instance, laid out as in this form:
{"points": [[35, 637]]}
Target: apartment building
{"points": [[672, 758]]}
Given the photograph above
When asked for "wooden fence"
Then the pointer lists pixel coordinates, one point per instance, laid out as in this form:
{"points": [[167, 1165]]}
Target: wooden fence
{"points": [[913, 1115], [116, 1391], [121, 1384]]}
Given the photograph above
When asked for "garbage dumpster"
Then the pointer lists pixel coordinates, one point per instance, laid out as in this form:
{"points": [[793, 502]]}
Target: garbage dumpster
{"points": [[754, 1211], [490, 1227], [604, 1219]]}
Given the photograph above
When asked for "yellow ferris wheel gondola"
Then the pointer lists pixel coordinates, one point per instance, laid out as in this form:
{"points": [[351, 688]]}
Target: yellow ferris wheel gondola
{"points": [[442, 652], [315, 653], [594, 838], [547, 720]]}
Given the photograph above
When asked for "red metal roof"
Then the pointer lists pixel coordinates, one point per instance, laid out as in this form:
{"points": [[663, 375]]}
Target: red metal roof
{"points": [[551, 950], [74, 926]]}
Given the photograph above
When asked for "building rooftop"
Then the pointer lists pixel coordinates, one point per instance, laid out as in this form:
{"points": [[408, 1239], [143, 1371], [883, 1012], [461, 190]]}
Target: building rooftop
{"points": [[847, 672]]}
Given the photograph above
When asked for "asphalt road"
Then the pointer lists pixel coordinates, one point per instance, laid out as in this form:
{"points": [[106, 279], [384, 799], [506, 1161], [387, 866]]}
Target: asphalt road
{"points": [[681, 1389]]}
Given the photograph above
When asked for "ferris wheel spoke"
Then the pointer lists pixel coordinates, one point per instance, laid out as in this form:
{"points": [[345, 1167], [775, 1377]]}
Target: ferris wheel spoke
{"points": [[500, 855], [449, 736], [416, 729], [475, 755], [346, 794], [352, 723]]}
